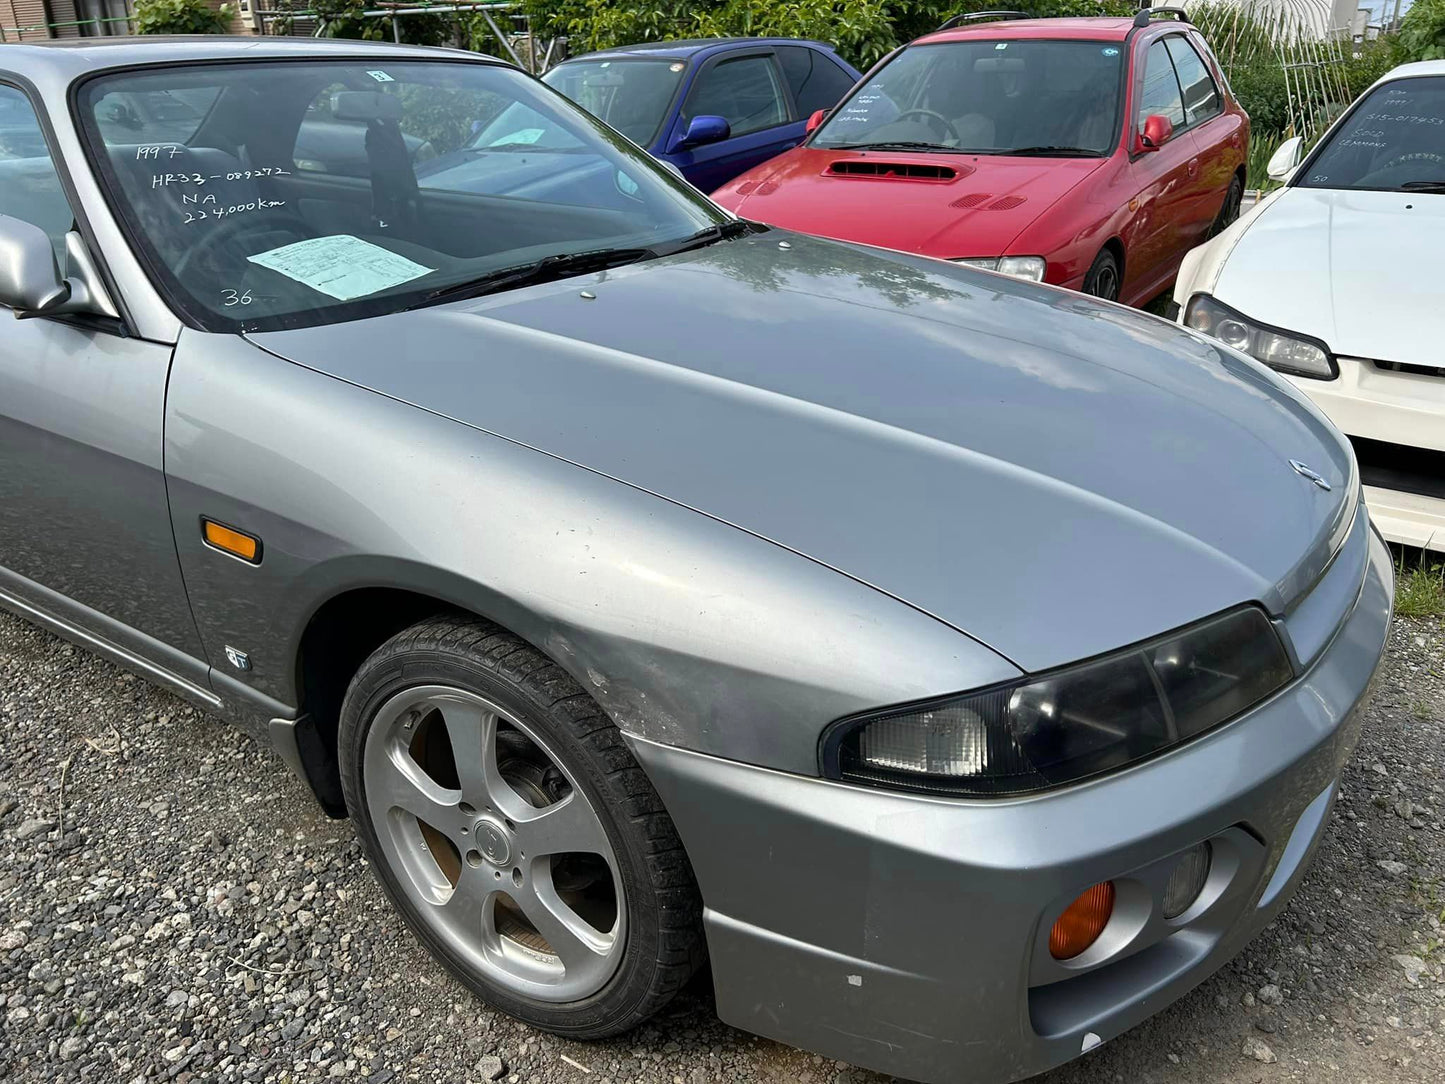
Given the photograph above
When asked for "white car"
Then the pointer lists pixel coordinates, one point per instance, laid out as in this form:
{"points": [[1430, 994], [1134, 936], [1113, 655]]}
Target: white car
{"points": [[1337, 281]]}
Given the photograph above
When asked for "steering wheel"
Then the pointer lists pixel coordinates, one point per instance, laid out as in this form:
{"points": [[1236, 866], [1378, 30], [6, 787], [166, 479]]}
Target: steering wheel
{"points": [[929, 114], [226, 232]]}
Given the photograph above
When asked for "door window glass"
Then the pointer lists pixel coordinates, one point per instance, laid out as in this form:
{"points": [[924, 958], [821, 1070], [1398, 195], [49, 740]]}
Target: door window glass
{"points": [[745, 92], [816, 82], [29, 187], [1201, 96], [1161, 88]]}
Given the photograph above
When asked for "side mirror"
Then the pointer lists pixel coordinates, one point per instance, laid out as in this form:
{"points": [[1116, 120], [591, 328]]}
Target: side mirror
{"points": [[1286, 160], [818, 117], [702, 130], [30, 280], [1156, 132]]}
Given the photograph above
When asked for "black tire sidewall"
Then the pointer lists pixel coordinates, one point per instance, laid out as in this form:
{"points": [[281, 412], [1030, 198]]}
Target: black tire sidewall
{"points": [[1105, 257], [606, 1012]]}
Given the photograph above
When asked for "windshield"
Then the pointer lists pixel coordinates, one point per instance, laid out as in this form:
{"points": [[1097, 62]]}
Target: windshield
{"points": [[630, 95], [285, 194], [989, 97], [1393, 140]]}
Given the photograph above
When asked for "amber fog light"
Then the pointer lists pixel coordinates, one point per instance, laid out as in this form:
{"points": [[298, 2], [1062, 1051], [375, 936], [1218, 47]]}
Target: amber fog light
{"points": [[1187, 880], [1082, 922]]}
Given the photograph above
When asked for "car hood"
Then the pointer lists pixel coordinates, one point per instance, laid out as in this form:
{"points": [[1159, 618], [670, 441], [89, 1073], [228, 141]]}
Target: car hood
{"points": [[977, 212], [1053, 475], [1359, 270]]}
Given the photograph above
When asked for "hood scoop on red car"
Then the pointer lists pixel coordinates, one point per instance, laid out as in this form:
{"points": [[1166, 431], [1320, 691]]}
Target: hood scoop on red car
{"points": [[906, 171]]}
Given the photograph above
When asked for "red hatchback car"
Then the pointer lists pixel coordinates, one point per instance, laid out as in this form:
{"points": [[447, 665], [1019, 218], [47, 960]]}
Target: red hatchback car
{"points": [[1088, 153]]}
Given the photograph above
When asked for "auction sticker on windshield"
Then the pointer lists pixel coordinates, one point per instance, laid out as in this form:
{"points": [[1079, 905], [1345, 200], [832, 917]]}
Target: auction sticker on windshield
{"points": [[341, 266]]}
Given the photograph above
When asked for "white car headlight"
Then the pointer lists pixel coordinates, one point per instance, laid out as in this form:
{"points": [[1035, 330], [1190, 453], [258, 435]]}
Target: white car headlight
{"points": [[1030, 268], [1288, 352]]}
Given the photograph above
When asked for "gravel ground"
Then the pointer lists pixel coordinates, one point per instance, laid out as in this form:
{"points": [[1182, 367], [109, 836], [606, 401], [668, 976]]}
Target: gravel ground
{"points": [[174, 906]]}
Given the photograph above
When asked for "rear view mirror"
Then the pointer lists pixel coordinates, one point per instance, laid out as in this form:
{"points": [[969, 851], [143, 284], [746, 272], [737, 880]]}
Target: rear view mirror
{"points": [[30, 280], [365, 105], [1285, 160], [702, 130], [816, 119], [1157, 131]]}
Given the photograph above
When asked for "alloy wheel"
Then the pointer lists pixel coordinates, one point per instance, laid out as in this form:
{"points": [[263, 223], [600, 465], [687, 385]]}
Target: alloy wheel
{"points": [[498, 850]]}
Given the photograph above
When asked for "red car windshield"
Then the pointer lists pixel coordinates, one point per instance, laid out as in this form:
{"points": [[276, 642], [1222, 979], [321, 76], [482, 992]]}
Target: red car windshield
{"points": [[1046, 98]]}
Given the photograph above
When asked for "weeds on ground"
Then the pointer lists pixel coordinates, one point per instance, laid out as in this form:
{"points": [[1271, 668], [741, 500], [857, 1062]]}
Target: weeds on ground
{"points": [[1420, 589]]}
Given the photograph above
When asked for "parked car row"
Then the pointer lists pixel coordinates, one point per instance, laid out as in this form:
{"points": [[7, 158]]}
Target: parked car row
{"points": [[964, 665]]}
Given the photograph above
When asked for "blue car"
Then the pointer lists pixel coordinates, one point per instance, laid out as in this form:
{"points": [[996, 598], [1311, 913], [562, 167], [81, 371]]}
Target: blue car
{"points": [[714, 107]]}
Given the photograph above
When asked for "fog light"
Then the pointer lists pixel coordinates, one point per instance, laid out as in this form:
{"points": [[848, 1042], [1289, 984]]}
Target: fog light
{"points": [[1187, 880], [1082, 922]]}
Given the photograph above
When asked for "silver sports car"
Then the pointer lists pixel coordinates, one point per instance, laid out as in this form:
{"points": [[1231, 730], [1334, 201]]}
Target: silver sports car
{"points": [[965, 666]]}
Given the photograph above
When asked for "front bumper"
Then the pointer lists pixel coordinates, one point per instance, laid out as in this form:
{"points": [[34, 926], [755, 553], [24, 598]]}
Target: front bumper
{"points": [[1391, 410], [908, 934]]}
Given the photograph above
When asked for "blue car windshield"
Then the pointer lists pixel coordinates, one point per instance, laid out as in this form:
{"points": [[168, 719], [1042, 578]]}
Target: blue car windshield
{"points": [[632, 95], [1037, 97], [281, 194]]}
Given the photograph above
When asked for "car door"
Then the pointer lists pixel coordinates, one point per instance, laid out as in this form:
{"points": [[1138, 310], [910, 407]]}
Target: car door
{"points": [[1164, 181], [747, 89], [1218, 139], [85, 532]]}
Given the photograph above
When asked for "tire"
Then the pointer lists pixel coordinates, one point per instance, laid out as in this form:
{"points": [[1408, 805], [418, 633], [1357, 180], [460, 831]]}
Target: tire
{"points": [[1105, 276], [493, 744], [1229, 213]]}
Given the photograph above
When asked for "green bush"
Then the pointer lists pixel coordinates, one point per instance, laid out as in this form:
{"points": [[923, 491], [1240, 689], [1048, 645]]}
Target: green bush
{"points": [[863, 31], [181, 17], [344, 20], [1422, 31]]}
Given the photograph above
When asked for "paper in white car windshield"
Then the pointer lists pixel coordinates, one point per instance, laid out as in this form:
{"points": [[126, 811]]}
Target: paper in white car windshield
{"points": [[342, 266]]}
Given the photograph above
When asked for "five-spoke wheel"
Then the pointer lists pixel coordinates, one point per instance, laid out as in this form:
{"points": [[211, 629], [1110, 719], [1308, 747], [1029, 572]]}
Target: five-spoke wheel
{"points": [[513, 829]]}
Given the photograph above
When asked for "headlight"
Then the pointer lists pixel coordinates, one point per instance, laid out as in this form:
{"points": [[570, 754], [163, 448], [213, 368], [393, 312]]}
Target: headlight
{"points": [[1076, 722], [1287, 352], [1020, 267]]}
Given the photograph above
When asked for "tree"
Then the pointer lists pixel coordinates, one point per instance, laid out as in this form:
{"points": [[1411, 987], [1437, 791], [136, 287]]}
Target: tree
{"points": [[181, 17], [1422, 31]]}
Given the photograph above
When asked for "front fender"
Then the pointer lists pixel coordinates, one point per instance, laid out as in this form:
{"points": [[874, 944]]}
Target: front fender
{"points": [[1203, 264], [688, 631]]}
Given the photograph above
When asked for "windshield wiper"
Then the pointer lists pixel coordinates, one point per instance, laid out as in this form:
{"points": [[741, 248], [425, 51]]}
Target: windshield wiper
{"points": [[897, 145], [1423, 186], [1051, 152], [709, 235], [547, 269]]}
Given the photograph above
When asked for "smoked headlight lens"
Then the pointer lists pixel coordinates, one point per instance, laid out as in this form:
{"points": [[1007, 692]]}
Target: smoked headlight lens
{"points": [[1080, 721], [1285, 352]]}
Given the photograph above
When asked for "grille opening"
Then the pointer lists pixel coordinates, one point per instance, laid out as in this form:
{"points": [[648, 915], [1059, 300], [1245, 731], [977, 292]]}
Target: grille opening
{"points": [[913, 171], [1406, 367], [1400, 467]]}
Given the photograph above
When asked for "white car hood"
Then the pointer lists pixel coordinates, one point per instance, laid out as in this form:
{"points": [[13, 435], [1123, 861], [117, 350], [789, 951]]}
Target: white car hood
{"points": [[1359, 270]]}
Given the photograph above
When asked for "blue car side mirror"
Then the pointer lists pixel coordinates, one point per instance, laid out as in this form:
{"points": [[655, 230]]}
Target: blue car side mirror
{"points": [[701, 130]]}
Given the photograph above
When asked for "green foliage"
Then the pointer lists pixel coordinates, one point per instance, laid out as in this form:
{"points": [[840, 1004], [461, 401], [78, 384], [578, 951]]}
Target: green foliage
{"points": [[181, 17], [1422, 31], [346, 21], [863, 31], [1420, 590]]}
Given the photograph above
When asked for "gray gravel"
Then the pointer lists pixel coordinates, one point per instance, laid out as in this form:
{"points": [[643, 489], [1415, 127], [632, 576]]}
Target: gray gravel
{"points": [[174, 906]]}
